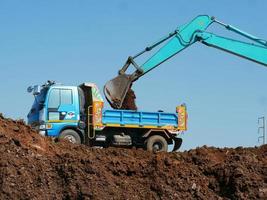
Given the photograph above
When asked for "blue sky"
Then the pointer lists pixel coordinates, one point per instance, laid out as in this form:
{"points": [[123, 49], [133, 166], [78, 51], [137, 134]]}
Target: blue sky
{"points": [[88, 41]]}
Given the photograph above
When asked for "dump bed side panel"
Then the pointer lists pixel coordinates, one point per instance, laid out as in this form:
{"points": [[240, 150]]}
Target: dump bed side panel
{"points": [[128, 117]]}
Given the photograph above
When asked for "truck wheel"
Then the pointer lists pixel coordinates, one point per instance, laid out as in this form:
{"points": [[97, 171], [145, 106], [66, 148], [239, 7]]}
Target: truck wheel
{"points": [[71, 135], [157, 143]]}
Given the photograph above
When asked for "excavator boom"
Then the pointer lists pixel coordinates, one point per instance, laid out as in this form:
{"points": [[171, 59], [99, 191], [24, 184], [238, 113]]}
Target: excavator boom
{"points": [[195, 31]]}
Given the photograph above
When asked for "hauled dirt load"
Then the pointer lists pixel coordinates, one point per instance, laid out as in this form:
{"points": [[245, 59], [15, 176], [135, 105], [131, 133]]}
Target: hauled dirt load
{"points": [[129, 101], [36, 167]]}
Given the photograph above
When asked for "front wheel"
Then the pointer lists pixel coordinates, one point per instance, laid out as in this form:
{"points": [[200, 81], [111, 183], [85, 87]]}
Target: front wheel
{"points": [[71, 135], [157, 143]]}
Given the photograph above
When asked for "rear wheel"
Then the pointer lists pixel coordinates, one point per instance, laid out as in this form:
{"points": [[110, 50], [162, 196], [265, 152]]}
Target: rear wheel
{"points": [[157, 143], [71, 135]]}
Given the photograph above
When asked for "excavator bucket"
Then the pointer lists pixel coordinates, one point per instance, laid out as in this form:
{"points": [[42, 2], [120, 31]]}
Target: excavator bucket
{"points": [[115, 90]]}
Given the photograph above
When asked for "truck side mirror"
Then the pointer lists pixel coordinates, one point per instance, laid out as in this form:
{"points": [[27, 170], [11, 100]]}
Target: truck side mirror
{"points": [[36, 90], [29, 89]]}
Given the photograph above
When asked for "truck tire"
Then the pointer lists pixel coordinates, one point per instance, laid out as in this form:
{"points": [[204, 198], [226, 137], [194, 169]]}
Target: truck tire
{"points": [[71, 135], [157, 143]]}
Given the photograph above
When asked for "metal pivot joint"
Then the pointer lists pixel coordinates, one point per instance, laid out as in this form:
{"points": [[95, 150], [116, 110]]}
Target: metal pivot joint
{"points": [[130, 61]]}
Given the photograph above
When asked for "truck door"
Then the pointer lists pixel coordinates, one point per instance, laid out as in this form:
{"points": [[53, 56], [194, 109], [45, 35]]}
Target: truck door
{"points": [[62, 109]]}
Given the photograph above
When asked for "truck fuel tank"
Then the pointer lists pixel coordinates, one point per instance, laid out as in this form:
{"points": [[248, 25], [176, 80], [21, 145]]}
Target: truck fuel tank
{"points": [[122, 140]]}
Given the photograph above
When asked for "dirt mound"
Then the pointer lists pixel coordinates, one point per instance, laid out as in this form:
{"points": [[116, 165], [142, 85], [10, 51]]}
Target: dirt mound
{"points": [[35, 167], [129, 101]]}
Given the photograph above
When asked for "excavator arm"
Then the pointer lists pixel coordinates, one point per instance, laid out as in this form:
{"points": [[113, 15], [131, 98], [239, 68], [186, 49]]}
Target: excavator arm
{"points": [[195, 31]]}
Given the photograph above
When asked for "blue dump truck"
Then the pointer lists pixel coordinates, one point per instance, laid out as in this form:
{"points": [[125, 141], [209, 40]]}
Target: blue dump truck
{"points": [[77, 113]]}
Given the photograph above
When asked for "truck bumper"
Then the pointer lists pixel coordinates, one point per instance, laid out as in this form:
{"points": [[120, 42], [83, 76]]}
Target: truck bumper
{"points": [[42, 132]]}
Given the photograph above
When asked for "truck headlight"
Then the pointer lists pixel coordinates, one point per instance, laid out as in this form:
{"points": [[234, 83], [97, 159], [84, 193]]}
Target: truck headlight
{"points": [[42, 127]]}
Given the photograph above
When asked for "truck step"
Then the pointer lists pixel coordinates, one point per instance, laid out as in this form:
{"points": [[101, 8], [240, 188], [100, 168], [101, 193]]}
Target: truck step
{"points": [[100, 138]]}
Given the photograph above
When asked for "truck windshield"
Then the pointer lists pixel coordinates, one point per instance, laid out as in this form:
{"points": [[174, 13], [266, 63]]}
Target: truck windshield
{"points": [[39, 100]]}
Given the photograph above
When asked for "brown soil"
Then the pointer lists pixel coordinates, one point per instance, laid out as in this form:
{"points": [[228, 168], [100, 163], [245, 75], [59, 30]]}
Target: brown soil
{"points": [[129, 101], [35, 167]]}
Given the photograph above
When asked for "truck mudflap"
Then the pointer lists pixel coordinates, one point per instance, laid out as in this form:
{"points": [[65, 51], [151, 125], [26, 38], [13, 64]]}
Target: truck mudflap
{"points": [[177, 143]]}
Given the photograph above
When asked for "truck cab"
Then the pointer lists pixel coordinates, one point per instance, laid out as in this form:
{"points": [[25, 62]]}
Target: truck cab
{"points": [[57, 107], [77, 113]]}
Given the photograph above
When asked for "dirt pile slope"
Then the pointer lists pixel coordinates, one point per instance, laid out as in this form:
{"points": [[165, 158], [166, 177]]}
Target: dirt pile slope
{"points": [[35, 167]]}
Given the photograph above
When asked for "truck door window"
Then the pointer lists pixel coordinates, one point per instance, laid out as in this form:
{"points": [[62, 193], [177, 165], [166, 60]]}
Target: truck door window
{"points": [[66, 96], [54, 98], [59, 97]]}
